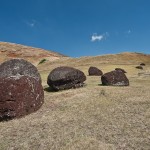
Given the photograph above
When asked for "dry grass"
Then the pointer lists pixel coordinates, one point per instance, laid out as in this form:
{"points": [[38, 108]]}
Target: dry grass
{"points": [[33, 55], [94, 117]]}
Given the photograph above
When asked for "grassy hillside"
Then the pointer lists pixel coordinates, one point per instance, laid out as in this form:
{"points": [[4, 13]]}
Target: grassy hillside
{"points": [[94, 117], [34, 55]]}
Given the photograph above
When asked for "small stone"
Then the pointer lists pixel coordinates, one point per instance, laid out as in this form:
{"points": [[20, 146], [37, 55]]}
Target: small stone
{"points": [[142, 64], [139, 67]]}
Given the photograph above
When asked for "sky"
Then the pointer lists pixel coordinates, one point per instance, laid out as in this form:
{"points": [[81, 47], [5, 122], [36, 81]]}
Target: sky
{"points": [[77, 27]]}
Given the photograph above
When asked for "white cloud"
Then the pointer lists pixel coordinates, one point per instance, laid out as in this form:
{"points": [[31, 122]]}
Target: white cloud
{"points": [[31, 23], [129, 31], [96, 37]]}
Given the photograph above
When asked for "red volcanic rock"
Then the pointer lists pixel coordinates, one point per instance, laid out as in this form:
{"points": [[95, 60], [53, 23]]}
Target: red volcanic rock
{"points": [[122, 70], [93, 71], [21, 92], [62, 78], [115, 78]]}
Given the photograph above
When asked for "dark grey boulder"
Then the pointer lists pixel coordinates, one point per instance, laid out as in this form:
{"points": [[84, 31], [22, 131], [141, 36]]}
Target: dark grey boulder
{"points": [[93, 71], [120, 69], [21, 92], [115, 78], [139, 67], [142, 64], [62, 78]]}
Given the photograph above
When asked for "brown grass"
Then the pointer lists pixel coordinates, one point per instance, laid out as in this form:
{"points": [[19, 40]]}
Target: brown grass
{"points": [[34, 55], [94, 117]]}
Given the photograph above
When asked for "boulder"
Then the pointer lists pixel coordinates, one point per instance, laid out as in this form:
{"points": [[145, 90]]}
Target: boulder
{"points": [[119, 69], [115, 78], [93, 71], [62, 78], [139, 67], [21, 92], [142, 64]]}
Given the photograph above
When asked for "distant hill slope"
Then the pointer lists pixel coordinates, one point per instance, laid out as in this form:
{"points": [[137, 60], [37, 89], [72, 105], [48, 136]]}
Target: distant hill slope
{"points": [[123, 59], [34, 55]]}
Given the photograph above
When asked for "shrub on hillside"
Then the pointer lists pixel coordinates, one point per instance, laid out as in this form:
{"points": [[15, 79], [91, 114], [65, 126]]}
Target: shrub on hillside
{"points": [[42, 61]]}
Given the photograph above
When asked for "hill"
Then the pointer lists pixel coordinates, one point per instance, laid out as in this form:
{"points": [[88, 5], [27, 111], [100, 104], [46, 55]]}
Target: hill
{"points": [[34, 55], [94, 117], [123, 59]]}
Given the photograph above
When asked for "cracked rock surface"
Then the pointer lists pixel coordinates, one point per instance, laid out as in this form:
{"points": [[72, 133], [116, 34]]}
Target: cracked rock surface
{"points": [[21, 92], [115, 78]]}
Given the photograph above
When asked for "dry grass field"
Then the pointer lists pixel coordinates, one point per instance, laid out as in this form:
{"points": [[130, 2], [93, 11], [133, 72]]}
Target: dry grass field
{"points": [[94, 117]]}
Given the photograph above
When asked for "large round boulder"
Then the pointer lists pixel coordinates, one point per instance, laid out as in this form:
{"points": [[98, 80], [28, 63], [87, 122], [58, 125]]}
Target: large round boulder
{"points": [[115, 78], [62, 78], [93, 71], [21, 92]]}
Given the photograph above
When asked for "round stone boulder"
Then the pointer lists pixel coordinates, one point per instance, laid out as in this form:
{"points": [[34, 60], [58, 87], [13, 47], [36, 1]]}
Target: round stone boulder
{"points": [[62, 78], [93, 71], [142, 64], [115, 78], [21, 92], [139, 67], [121, 70]]}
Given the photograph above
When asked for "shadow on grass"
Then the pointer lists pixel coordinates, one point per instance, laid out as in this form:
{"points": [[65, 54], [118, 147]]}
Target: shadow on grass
{"points": [[102, 85], [6, 118], [49, 89], [113, 85]]}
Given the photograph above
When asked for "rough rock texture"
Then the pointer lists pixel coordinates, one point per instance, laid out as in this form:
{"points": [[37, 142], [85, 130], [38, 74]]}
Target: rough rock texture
{"points": [[115, 78], [139, 67], [93, 71], [65, 78], [119, 69], [142, 64], [21, 92]]}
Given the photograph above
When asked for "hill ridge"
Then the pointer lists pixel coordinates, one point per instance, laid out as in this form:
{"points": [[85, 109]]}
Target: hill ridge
{"points": [[12, 50]]}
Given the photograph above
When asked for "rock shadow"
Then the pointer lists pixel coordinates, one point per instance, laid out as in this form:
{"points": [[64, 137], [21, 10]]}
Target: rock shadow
{"points": [[49, 89]]}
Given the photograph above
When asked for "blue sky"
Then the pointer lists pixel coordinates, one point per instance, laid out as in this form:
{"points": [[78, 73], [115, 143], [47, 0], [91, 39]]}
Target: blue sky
{"points": [[77, 27]]}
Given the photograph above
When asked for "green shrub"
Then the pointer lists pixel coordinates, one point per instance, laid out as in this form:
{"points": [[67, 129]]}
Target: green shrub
{"points": [[42, 61]]}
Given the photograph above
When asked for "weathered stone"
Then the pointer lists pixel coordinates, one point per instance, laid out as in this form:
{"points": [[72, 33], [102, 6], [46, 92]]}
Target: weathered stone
{"points": [[62, 78], [119, 69], [142, 64], [17, 68], [139, 67], [115, 78], [93, 71], [21, 92]]}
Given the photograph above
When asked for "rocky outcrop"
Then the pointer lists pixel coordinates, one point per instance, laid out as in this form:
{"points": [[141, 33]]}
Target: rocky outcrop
{"points": [[62, 78], [21, 92], [115, 78], [93, 71]]}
